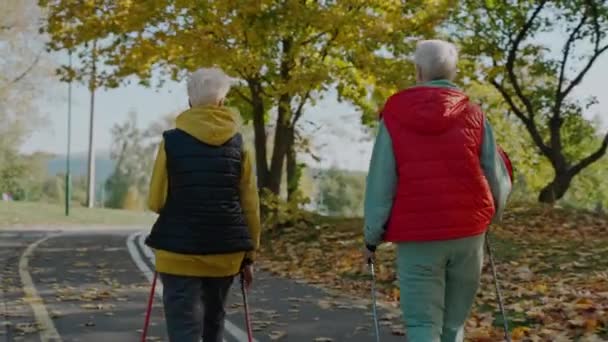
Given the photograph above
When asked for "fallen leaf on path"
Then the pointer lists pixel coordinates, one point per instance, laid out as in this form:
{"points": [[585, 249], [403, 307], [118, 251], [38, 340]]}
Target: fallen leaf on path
{"points": [[27, 328], [81, 264], [398, 330], [277, 335]]}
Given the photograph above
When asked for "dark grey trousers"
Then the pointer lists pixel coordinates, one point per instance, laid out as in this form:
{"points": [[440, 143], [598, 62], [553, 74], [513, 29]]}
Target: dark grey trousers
{"points": [[195, 307]]}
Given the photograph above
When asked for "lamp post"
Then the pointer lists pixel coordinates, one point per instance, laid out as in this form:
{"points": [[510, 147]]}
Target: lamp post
{"points": [[68, 176], [91, 161]]}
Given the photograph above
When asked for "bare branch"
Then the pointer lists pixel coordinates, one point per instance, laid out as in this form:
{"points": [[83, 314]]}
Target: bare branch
{"points": [[598, 50], [585, 70], [300, 110], [314, 38], [562, 73], [555, 123], [27, 70], [527, 121], [590, 159], [512, 56], [518, 112]]}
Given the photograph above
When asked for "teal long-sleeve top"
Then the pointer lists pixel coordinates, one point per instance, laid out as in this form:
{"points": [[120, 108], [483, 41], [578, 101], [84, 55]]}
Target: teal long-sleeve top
{"points": [[382, 181]]}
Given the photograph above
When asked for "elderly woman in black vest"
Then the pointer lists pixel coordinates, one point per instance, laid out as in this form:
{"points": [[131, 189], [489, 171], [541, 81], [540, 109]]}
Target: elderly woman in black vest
{"points": [[204, 190]]}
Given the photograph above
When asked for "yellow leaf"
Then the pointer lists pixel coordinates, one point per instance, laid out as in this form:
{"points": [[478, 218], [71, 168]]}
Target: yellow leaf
{"points": [[584, 304], [519, 333], [591, 324], [541, 288]]}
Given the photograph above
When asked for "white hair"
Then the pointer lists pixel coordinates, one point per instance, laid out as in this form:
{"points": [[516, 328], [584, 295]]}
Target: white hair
{"points": [[208, 86], [436, 59]]}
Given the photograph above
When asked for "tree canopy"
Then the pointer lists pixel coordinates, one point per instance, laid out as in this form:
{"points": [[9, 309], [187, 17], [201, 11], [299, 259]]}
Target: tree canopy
{"points": [[286, 53], [507, 46], [23, 72]]}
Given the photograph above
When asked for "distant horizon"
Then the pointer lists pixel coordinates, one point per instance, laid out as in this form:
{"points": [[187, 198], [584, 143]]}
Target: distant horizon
{"points": [[57, 162]]}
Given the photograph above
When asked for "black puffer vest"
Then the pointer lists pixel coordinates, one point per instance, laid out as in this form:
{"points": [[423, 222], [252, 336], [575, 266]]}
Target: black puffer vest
{"points": [[202, 214]]}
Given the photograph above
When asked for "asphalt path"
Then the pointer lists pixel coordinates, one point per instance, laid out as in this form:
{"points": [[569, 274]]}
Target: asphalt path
{"points": [[93, 285]]}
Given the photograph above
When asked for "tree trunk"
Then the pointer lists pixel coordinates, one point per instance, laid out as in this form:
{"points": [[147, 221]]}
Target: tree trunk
{"points": [[259, 131], [279, 150], [260, 139], [293, 172], [555, 190], [281, 136], [283, 123]]}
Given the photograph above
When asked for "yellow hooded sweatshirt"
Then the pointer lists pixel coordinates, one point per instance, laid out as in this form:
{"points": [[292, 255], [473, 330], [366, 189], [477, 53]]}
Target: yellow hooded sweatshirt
{"points": [[214, 126]]}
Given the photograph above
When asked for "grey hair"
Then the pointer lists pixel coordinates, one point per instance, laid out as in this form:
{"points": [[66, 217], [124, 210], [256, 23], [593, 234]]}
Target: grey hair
{"points": [[436, 59], [208, 86]]}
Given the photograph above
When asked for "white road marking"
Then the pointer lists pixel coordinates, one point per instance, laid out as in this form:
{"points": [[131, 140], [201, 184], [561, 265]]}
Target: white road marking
{"points": [[147, 251], [141, 264], [232, 329], [48, 332]]}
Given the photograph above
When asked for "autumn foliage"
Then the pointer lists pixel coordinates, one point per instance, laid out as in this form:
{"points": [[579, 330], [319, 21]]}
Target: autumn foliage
{"points": [[552, 267]]}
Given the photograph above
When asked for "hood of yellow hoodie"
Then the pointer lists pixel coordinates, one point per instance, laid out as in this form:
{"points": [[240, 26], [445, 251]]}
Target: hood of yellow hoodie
{"points": [[210, 124]]}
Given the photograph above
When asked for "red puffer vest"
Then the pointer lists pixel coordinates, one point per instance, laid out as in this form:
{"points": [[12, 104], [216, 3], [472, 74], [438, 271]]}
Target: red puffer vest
{"points": [[442, 192]]}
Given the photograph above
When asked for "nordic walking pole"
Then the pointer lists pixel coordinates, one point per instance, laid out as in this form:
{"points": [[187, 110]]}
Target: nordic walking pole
{"points": [[247, 318], [149, 309], [370, 262], [497, 287]]}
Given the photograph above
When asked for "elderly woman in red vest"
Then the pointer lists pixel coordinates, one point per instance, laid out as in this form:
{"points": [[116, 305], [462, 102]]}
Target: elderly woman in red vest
{"points": [[436, 181]]}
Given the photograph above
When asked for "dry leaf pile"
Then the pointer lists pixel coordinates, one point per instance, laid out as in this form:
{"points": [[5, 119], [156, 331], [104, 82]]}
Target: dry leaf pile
{"points": [[552, 264]]}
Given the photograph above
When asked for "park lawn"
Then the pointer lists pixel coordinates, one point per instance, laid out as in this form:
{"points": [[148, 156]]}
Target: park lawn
{"points": [[552, 264], [28, 214]]}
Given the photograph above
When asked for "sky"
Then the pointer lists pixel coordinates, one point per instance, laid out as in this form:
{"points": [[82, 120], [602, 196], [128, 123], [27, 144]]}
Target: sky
{"points": [[337, 133], [341, 140]]}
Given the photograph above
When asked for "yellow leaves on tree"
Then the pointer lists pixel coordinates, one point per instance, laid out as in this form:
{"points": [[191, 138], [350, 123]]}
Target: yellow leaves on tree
{"points": [[286, 53]]}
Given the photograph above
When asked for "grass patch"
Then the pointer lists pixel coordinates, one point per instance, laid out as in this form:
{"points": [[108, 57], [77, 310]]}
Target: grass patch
{"points": [[29, 214]]}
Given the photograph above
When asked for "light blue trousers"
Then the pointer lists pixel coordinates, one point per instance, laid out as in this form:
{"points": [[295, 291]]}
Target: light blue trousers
{"points": [[439, 281]]}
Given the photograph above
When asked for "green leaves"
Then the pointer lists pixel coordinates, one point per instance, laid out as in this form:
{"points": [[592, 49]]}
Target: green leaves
{"points": [[133, 150], [512, 45], [341, 192]]}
